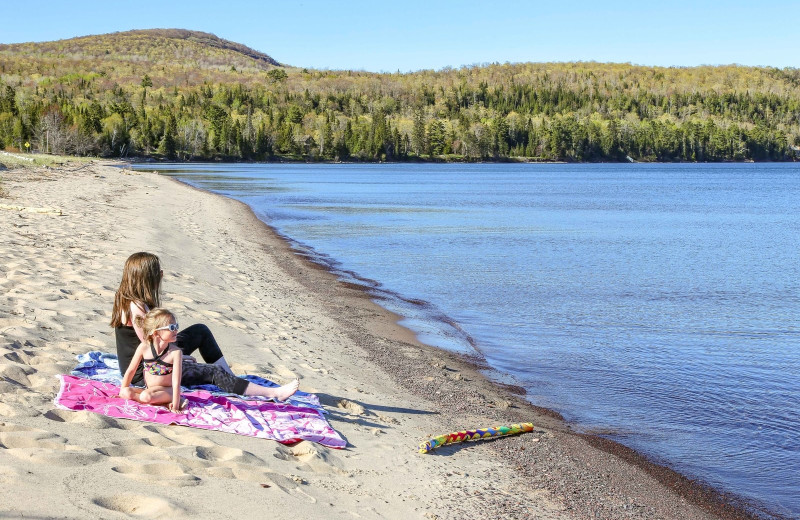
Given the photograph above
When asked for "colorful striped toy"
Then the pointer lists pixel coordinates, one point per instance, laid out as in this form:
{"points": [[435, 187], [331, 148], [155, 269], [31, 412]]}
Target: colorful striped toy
{"points": [[474, 435]]}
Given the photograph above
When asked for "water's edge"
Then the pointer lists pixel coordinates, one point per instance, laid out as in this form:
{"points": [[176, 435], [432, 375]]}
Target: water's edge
{"points": [[712, 499]]}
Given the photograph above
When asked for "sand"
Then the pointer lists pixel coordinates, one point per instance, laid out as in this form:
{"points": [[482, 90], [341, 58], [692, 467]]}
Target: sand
{"points": [[65, 234]]}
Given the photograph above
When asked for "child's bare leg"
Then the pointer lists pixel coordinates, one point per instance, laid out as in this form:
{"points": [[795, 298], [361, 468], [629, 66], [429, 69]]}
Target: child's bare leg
{"points": [[280, 393], [156, 395], [133, 393]]}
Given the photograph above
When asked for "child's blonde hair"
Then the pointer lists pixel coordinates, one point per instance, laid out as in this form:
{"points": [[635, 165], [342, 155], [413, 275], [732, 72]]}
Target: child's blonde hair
{"points": [[153, 320], [141, 282]]}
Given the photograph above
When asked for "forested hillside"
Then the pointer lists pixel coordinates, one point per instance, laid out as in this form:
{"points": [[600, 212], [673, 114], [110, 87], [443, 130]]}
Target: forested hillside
{"points": [[186, 95]]}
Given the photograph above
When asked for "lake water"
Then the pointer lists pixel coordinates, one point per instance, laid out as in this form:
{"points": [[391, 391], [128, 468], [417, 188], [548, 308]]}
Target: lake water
{"points": [[655, 304]]}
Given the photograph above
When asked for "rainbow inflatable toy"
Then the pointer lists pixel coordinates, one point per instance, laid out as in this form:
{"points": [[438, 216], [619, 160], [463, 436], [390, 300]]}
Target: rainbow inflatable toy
{"points": [[474, 435]]}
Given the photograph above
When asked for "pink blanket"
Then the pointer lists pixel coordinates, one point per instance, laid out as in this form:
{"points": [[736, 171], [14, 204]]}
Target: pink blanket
{"points": [[266, 420]]}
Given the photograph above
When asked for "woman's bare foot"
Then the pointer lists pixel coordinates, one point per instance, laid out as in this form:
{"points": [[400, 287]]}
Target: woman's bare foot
{"points": [[279, 393], [284, 392]]}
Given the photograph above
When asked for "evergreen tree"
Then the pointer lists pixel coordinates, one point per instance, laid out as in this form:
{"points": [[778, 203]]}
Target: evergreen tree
{"points": [[435, 138], [166, 146], [418, 133]]}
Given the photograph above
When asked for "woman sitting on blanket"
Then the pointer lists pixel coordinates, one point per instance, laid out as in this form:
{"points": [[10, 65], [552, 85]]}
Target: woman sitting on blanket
{"points": [[139, 291]]}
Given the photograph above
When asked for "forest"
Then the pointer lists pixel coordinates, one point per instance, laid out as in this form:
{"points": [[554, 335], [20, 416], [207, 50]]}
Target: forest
{"points": [[184, 95]]}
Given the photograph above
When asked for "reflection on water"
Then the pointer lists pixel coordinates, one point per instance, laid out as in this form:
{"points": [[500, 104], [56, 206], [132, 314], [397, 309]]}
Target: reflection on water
{"points": [[657, 303]]}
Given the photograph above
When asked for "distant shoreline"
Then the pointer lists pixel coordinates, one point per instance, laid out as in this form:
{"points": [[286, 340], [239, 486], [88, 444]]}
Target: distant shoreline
{"points": [[505, 160]]}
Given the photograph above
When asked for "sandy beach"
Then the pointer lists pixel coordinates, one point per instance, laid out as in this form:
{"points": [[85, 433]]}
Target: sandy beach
{"points": [[65, 234]]}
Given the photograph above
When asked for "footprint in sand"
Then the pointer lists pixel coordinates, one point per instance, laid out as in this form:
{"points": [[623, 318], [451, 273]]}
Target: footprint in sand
{"points": [[144, 506], [17, 375], [19, 403], [177, 436], [227, 454], [284, 372], [352, 407], [15, 357], [42, 447], [168, 473], [36, 343], [264, 477], [7, 324], [42, 375], [54, 297], [90, 419], [127, 451], [7, 411], [70, 456], [318, 459], [26, 357]]}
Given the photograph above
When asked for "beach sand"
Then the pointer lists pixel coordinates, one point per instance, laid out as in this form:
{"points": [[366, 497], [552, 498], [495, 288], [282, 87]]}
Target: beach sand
{"points": [[65, 234]]}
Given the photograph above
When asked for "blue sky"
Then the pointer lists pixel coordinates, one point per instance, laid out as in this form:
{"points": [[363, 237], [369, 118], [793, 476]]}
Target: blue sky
{"points": [[411, 35]]}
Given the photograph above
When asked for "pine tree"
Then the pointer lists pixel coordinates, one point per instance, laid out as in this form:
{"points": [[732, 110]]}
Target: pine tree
{"points": [[326, 142], [435, 138], [418, 133], [166, 146]]}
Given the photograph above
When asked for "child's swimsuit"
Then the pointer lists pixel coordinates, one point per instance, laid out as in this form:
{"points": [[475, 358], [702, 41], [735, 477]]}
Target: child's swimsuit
{"points": [[156, 366]]}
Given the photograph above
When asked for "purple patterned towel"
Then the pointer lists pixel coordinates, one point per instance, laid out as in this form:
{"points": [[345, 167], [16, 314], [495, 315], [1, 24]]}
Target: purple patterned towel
{"points": [[102, 366], [284, 423]]}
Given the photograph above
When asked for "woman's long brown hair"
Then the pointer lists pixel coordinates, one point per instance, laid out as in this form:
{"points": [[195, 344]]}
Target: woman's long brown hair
{"points": [[141, 282]]}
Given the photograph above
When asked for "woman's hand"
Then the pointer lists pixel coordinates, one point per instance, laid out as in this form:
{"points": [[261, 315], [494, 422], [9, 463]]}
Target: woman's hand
{"points": [[126, 393]]}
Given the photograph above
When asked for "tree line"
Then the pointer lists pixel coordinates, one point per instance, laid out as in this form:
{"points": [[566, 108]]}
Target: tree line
{"points": [[553, 112]]}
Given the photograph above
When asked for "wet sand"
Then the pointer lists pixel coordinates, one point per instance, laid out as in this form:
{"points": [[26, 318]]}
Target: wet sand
{"points": [[66, 233]]}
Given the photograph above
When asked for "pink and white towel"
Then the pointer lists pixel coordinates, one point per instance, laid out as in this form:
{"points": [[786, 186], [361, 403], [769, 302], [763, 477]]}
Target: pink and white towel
{"points": [[266, 420]]}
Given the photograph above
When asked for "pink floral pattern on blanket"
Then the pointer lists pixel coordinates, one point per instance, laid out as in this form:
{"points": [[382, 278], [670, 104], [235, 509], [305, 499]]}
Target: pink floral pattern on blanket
{"points": [[266, 420]]}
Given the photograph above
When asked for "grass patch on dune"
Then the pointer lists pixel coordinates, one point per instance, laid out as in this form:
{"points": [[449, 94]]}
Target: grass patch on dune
{"points": [[35, 160], [9, 162]]}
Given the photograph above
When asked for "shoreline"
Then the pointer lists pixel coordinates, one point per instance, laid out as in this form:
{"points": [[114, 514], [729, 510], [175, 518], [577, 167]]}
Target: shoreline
{"points": [[718, 502], [499, 160], [277, 314]]}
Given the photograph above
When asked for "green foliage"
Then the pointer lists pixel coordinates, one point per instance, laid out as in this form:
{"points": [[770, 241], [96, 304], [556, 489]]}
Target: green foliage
{"points": [[277, 75], [166, 146], [187, 95]]}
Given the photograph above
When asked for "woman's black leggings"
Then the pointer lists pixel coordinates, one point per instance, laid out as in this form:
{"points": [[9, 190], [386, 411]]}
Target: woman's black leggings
{"points": [[199, 337], [202, 374]]}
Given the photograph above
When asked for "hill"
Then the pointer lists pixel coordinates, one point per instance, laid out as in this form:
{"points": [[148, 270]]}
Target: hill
{"points": [[190, 95], [165, 54]]}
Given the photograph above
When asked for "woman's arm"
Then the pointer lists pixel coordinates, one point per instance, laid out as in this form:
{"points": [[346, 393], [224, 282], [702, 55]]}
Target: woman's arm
{"points": [[135, 311], [125, 387], [177, 372]]}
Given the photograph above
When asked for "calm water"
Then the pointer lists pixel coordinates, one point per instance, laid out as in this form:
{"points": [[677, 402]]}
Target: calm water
{"points": [[657, 304]]}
